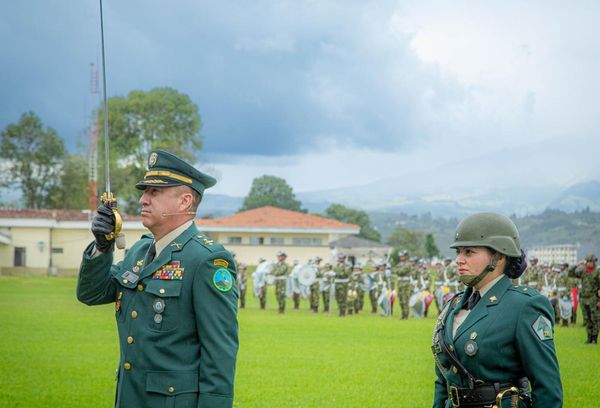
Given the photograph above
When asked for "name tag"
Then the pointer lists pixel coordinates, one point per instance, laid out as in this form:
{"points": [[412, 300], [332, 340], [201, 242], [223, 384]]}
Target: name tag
{"points": [[130, 276]]}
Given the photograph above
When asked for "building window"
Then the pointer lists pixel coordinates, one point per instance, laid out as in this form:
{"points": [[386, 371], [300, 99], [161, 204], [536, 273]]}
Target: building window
{"points": [[20, 256], [257, 240], [306, 241], [276, 241], [234, 240], [57, 250]]}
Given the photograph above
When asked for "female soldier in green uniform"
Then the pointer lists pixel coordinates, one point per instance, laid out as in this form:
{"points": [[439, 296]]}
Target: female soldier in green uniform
{"points": [[494, 340]]}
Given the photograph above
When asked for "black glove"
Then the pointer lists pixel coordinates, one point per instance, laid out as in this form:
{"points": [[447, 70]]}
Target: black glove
{"points": [[103, 224]]}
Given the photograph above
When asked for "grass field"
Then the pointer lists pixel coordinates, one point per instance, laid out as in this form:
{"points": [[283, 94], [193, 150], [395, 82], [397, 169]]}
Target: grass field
{"points": [[60, 353]]}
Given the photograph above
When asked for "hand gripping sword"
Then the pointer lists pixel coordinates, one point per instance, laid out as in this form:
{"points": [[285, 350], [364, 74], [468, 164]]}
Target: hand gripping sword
{"points": [[107, 197]]}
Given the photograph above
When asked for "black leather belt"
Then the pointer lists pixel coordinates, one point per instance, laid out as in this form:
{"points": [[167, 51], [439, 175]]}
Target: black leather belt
{"points": [[483, 395]]}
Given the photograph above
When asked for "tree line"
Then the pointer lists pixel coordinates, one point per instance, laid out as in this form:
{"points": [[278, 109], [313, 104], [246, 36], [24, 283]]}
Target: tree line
{"points": [[38, 164]]}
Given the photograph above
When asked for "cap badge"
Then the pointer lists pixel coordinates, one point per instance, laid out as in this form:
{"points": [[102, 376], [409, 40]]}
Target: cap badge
{"points": [[152, 159]]}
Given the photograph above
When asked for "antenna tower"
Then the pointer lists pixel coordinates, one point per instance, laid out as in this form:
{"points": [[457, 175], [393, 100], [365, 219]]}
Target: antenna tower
{"points": [[93, 149]]}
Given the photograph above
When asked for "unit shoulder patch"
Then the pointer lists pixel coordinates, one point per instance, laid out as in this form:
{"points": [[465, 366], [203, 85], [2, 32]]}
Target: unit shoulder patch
{"points": [[543, 328], [222, 280]]}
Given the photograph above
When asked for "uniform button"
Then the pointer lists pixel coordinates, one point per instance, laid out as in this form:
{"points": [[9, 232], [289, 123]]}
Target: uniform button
{"points": [[171, 389], [127, 366], [134, 314], [129, 340], [454, 369], [140, 287], [162, 291], [451, 347], [125, 281]]}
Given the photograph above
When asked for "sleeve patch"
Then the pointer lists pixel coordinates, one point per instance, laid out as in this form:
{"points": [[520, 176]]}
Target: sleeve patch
{"points": [[221, 262], [542, 328], [223, 280]]}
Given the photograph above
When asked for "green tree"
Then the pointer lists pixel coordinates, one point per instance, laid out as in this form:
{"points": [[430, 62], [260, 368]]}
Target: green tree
{"points": [[352, 216], [33, 157], [403, 238], [72, 191], [161, 118], [430, 247], [271, 190]]}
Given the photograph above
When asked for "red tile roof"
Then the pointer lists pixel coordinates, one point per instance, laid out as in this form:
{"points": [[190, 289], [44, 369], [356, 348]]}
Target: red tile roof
{"points": [[273, 217], [48, 214]]}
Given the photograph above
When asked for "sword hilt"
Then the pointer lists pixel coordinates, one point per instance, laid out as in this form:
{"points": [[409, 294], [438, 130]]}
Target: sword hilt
{"points": [[109, 200]]}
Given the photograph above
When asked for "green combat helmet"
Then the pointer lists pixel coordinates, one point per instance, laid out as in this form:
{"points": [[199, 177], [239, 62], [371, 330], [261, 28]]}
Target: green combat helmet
{"points": [[591, 258], [489, 230]]}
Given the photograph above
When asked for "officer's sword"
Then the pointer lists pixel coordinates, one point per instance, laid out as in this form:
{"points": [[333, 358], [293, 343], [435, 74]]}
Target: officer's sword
{"points": [[107, 197]]}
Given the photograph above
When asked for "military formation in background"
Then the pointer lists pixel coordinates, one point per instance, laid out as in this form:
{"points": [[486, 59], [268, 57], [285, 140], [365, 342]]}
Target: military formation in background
{"points": [[414, 285]]}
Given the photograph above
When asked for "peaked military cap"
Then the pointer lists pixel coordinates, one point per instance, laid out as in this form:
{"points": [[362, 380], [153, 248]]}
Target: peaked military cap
{"points": [[167, 170]]}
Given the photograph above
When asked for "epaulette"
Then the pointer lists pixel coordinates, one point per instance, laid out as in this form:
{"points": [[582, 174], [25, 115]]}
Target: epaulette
{"points": [[526, 290], [208, 243]]}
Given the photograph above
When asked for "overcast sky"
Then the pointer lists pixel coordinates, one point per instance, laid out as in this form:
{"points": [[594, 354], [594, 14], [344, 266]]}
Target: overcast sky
{"points": [[330, 94]]}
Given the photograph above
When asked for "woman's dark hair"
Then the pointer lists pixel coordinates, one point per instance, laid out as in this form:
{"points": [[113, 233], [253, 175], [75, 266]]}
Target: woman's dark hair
{"points": [[515, 266]]}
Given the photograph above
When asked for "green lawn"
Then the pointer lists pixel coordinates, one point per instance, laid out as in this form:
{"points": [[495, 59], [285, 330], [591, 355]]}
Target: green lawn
{"points": [[60, 353]]}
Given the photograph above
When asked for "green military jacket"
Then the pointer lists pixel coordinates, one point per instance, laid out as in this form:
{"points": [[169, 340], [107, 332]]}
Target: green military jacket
{"points": [[176, 317], [513, 331]]}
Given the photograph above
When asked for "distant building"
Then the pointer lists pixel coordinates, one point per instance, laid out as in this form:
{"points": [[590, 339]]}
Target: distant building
{"points": [[361, 250], [40, 242], [553, 254], [261, 232]]}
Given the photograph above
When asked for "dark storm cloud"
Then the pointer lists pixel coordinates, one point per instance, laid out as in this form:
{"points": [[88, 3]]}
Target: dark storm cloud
{"points": [[269, 78]]}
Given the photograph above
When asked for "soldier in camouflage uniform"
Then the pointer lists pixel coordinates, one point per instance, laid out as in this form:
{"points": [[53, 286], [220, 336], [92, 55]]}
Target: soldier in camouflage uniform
{"points": [[563, 291], [326, 282], [402, 271], [314, 288], [573, 283], [281, 271], [262, 293], [590, 295], [375, 276], [242, 283], [295, 286], [342, 279], [356, 293], [533, 275]]}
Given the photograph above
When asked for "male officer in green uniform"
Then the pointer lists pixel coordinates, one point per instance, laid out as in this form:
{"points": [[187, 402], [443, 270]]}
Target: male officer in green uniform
{"points": [[175, 296], [494, 340], [281, 272], [590, 296]]}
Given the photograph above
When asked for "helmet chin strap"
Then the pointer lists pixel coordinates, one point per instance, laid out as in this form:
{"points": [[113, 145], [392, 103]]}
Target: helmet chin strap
{"points": [[471, 280]]}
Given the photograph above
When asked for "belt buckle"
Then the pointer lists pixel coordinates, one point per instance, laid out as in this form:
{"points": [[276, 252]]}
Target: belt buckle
{"points": [[454, 398]]}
